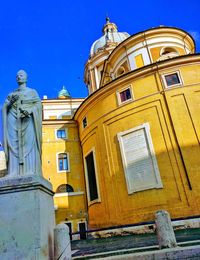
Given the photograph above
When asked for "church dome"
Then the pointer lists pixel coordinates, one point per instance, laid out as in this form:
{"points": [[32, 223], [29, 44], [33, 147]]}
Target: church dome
{"points": [[63, 93], [111, 36]]}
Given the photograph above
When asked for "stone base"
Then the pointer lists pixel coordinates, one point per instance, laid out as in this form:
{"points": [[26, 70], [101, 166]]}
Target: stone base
{"points": [[27, 218]]}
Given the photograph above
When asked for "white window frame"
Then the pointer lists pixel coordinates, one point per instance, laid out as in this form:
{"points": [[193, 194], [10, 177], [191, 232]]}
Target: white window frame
{"points": [[66, 131], [90, 202], [170, 73], [57, 163], [158, 183], [128, 100]]}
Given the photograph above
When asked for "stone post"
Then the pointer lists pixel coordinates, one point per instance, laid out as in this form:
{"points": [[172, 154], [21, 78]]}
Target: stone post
{"points": [[164, 230], [62, 245]]}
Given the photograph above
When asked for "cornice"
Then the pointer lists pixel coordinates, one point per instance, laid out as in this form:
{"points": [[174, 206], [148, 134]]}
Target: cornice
{"points": [[141, 72], [57, 101], [144, 35], [58, 121]]}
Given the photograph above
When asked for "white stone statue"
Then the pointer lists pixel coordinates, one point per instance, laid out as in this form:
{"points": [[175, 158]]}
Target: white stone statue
{"points": [[22, 125]]}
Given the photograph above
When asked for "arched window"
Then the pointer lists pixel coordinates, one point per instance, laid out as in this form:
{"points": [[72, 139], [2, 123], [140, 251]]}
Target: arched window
{"points": [[122, 69], [64, 188], [168, 50], [167, 53], [63, 164]]}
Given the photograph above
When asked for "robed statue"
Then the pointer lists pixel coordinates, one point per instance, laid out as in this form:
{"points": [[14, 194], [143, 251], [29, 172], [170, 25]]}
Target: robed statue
{"points": [[22, 125]]}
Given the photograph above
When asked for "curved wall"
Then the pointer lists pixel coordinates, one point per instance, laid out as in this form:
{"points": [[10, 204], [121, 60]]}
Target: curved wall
{"points": [[172, 116]]}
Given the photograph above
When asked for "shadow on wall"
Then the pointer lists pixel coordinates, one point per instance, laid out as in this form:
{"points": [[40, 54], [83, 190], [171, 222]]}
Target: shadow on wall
{"points": [[128, 196]]}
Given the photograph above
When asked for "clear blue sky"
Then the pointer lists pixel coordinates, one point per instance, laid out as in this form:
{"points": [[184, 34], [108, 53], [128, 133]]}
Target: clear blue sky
{"points": [[51, 39]]}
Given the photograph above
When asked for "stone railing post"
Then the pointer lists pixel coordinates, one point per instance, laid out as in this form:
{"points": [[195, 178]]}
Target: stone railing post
{"points": [[164, 230], [62, 244]]}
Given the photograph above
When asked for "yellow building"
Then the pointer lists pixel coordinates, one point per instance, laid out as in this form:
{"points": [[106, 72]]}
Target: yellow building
{"points": [[132, 146], [139, 128], [62, 160], [2, 163]]}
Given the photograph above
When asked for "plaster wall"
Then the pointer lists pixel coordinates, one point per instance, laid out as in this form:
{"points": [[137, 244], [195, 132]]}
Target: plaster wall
{"points": [[172, 114]]}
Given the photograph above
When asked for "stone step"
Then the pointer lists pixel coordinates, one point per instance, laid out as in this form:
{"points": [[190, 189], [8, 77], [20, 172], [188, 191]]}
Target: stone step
{"points": [[189, 249]]}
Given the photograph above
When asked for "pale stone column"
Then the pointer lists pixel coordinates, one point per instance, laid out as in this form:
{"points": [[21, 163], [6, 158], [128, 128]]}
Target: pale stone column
{"points": [[62, 245], [164, 230]]}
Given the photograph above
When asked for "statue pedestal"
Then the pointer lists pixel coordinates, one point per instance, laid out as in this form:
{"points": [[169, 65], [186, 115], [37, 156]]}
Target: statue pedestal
{"points": [[26, 218]]}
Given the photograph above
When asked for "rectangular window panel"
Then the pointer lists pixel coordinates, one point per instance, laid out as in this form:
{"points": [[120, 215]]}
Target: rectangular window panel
{"points": [[60, 164], [139, 162], [93, 193], [84, 122], [124, 95], [172, 79], [61, 133], [63, 163], [139, 61]]}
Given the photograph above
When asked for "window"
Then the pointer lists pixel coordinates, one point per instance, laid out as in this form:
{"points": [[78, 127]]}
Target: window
{"points": [[122, 69], [84, 122], [91, 177], [64, 188], [61, 133], [168, 50], [168, 53], [139, 162], [63, 163], [124, 95], [172, 79]]}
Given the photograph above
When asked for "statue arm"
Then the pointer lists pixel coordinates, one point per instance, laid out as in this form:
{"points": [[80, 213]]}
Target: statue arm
{"points": [[28, 105]]}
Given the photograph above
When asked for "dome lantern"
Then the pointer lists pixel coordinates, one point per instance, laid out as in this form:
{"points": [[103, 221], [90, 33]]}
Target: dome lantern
{"points": [[111, 36]]}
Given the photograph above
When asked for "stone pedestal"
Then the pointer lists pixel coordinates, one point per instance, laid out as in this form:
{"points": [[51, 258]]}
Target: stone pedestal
{"points": [[26, 218], [164, 230]]}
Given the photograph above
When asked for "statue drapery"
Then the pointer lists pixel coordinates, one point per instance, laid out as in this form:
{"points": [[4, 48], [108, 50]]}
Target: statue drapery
{"points": [[22, 123]]}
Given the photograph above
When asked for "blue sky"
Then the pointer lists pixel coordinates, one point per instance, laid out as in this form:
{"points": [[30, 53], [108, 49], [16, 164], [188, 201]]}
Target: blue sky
{"points": [[51, 40]]}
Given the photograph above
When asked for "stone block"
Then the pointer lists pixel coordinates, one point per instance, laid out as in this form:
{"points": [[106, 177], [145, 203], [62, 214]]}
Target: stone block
{"points": [[27, 218]]}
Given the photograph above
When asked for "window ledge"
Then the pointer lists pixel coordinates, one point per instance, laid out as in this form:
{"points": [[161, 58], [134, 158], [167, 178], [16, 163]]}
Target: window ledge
{"points": [[66, 194], [63, 171]]}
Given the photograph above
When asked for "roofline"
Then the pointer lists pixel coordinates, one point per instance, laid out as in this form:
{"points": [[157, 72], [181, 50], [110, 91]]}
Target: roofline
{"points": [[133, 71], [61, 99], [148, 30]]}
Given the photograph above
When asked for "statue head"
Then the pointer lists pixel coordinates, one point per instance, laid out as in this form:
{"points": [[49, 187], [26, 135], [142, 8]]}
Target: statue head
{"points": [[21, 77]]}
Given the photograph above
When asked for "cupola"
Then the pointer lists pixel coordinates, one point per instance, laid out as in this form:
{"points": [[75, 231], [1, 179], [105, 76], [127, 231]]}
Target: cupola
{"points": [[63, 93], [99, 52]]}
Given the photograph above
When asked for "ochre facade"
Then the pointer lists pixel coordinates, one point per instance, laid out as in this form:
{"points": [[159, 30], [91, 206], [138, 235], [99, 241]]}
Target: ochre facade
{"points": [[175, 130], [133, 143], [172, 114], [70, 205]]}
